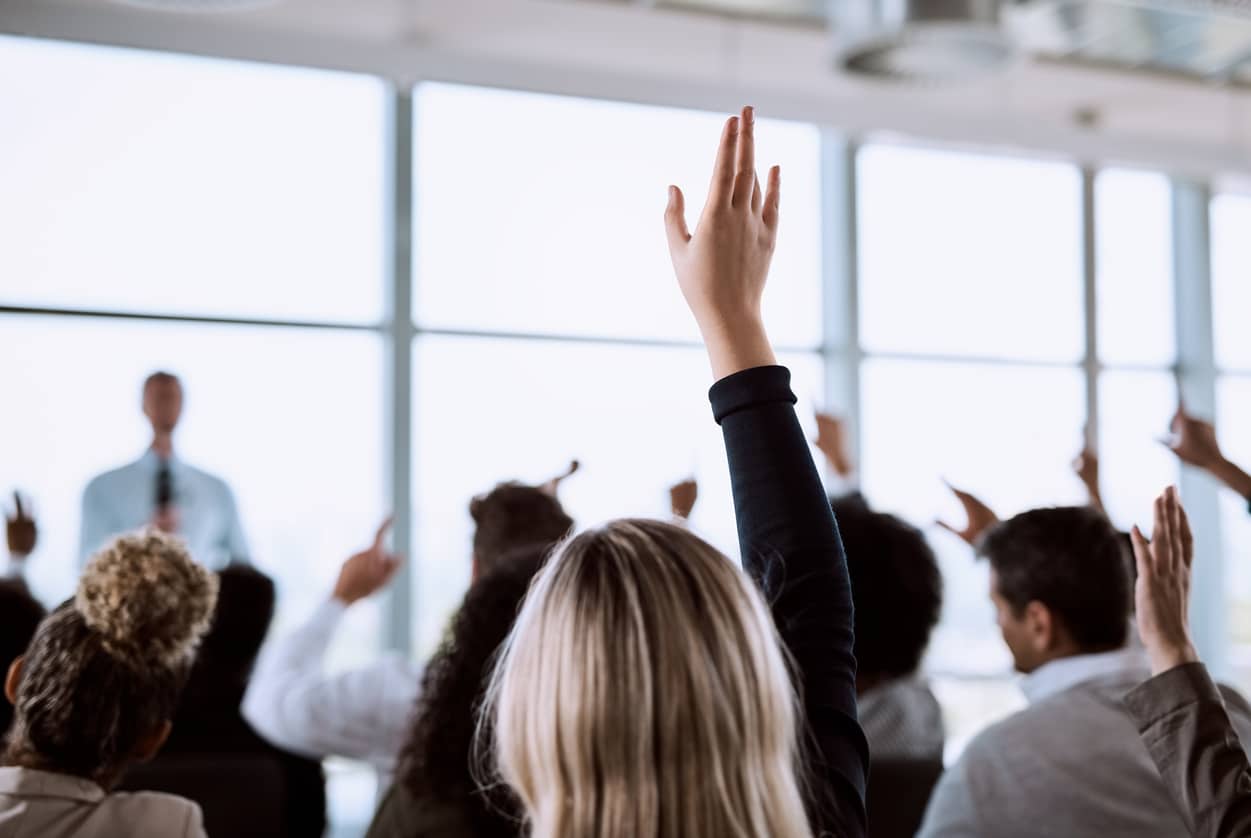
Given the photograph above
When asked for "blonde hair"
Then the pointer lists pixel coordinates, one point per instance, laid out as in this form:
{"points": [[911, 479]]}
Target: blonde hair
{"points": [[644, 692]]}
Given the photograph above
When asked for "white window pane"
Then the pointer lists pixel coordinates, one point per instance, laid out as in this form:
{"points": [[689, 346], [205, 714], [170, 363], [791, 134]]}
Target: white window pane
{"points": [[1134, 413], [544, 214], [1231, 279], [1134, 253], [295, 431], [153, 182], [490, 410], [1232, 419], [969, 255], [983, 428]]}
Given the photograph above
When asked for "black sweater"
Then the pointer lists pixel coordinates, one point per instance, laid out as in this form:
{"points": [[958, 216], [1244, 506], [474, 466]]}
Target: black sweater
{"points": [[791, 548]]}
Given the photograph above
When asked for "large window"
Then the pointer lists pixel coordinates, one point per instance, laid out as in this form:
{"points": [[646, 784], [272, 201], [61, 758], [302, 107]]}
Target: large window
{"points": [[572, 205]]}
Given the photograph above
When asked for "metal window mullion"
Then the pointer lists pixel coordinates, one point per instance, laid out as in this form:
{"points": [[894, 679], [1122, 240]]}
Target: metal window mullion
{"points": [[840, 304], [1196, 373], [398, 418], [1090, 309]]}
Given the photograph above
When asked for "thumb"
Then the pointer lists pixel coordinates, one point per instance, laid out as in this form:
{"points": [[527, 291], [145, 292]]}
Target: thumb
{"points": [[675, 219], [1142, 553]]}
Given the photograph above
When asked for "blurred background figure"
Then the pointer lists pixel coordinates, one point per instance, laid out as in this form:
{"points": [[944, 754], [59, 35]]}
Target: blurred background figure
{"points": [[161, 490]]}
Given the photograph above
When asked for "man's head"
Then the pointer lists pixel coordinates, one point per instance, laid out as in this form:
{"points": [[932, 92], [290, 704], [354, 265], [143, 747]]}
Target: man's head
{"points": [[162, 401], [896, 586], [511, 516], [1060, 583]]}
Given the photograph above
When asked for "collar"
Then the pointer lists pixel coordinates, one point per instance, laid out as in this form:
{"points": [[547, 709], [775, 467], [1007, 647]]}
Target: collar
{"points": [[151, 461], [1058, 675], [28, 782]]}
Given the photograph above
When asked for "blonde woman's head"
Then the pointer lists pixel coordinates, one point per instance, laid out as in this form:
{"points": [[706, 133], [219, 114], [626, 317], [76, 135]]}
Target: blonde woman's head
{"points": [[643, 692]]}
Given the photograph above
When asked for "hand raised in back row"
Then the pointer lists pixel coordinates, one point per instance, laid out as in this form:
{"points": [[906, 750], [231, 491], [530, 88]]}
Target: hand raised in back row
{"points": [[722, 266]]}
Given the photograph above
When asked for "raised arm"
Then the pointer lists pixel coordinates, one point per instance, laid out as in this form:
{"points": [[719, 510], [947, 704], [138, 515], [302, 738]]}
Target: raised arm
{"points": [[1194, 442], [789, 541], [1180, 714]]}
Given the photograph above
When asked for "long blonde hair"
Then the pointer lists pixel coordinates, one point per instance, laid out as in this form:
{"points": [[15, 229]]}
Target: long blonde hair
{"points": [[643, 692]]}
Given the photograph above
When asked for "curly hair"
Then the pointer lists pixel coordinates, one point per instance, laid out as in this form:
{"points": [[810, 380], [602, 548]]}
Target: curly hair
{"points": [[436, 760], [105, 669], [896, 585]]}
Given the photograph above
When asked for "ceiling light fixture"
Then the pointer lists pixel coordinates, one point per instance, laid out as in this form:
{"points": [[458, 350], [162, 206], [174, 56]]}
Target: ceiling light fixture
{"points": [[198, 6]]}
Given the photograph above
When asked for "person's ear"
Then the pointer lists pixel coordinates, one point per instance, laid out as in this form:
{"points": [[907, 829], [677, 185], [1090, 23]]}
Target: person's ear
{"points": [[150, 744], [1040, 627], [12, 678]]}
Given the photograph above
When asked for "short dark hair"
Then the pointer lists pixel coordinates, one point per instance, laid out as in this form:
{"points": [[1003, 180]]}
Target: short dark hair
{"points": [[511, 516], [160, 376], [896, 587], [20, 614], [1072, 560]]}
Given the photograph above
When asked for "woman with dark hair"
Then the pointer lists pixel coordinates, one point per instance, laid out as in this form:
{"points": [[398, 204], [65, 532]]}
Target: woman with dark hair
{"points": [[435, 793], [96, 691]]}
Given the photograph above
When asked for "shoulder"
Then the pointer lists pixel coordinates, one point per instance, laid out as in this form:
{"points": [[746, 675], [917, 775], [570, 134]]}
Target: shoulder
{"points": [[160, 813], [207, 478], [103, 481]]}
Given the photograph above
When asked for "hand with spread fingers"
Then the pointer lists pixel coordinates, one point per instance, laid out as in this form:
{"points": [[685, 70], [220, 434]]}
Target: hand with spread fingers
{"points": [[1162, 592], [978, 516], [1194, 442], [20, 530], [682, 497], [368, 571], [722, 265]]}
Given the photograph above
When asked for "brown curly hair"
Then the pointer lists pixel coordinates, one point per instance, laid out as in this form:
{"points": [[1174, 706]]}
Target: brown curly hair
{"points": [[105, 669]]}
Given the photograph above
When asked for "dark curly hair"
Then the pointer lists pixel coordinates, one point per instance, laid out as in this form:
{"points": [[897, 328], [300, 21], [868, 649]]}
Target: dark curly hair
{"points": [[513, 515], [435, 763], [896, 586]]}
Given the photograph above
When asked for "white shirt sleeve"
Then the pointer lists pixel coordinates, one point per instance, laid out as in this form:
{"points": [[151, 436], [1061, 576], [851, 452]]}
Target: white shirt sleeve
{"points": [[361, 714]]}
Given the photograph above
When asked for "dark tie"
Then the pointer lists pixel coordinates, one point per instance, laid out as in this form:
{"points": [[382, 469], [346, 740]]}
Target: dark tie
{"points": [[164, 487]]}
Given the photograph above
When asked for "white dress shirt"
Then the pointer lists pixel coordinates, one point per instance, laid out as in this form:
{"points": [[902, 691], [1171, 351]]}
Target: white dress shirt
{"points": [[43, 804], [361, 714], [124, 499]]}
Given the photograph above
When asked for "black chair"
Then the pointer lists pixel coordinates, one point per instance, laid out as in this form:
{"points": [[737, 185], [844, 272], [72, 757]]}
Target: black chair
{"points": [[898, 792]]}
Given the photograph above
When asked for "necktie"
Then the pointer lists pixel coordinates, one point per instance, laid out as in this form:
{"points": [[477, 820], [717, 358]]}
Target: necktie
{"points": [[164, 487]]}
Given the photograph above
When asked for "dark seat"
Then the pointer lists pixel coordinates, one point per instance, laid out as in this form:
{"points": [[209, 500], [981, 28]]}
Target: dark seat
{"points": [[898, 792], [241, 795]]}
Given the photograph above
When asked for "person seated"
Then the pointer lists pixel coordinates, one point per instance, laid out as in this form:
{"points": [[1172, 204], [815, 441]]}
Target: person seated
{"points": [[20, 614], [1180, 713], [96, 691], [1071, 763], [364, 713], [209, 723], [897, 589], [435, 794], [1194, 442]]}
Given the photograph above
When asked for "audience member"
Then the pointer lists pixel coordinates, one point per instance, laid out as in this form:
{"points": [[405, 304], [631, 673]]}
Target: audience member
{"points": [[364, 713], [435, 794], [1194, 442], [1071, 763], [644, 690], [898, 593], [20, 614], [161, 490], [1086, 467], [96, 692], [1180, 712]]}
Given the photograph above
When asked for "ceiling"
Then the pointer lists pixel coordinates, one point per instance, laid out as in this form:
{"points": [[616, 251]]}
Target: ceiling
{"points": [[644, 51]]}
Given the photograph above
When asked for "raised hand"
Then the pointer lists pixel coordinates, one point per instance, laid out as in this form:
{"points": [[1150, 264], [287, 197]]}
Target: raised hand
{"points": [[722, 267], [1162, 592], [682, 497], [552, 487], [367, 571], [1086, 467], [832, 442], [1194, 441], [979, 517], [20, 530]]}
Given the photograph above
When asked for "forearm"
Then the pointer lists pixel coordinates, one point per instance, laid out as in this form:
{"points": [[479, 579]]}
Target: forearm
{"points": [[1234, 477]]}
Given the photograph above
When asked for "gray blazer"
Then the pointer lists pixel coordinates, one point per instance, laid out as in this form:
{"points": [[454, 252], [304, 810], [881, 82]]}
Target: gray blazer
{"points": [[49, 805], [1069, 766], [1186, 727]]}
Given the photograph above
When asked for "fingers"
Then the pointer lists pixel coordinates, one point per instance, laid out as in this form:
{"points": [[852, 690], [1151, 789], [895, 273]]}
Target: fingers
{"points": [[1187, 537], [17, 505], [675, 220], [756, 197], [949, 528], [1142, 554], [382, 531], [1174, 525], [772, 198], [1160, 545], [722, 189], [745, 162]]}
